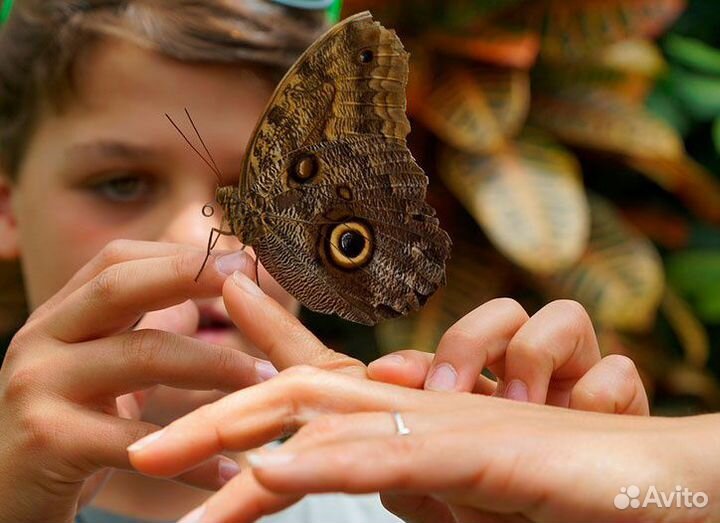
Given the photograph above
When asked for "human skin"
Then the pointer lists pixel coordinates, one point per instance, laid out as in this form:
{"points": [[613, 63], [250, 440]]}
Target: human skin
{"points": [[78, 384], [469, 458]]}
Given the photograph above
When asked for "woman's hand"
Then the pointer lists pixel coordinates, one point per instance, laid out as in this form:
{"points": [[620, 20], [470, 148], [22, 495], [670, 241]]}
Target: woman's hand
{"points": [[472, 458], [560, 347], [67, 403]]}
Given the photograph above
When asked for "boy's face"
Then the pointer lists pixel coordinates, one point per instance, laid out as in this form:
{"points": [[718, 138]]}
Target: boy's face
{"points": [[111, 165]]}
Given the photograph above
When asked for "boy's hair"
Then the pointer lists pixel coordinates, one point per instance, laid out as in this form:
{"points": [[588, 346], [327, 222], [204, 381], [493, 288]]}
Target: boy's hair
{"points": [[43, 38]]}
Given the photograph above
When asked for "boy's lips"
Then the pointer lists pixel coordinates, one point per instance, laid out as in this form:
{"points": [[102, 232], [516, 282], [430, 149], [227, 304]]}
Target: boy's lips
{"points": [[214, 325]]}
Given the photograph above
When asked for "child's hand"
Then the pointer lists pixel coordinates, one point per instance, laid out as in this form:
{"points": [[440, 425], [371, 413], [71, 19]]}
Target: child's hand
{"points": [[64, 404]]}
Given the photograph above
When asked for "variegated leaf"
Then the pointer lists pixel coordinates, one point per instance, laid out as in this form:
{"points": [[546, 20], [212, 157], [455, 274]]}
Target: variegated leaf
{"points": [[528, 197], [619, 278], [576, 29], [698, 188], [476, 109], [599, 121]]}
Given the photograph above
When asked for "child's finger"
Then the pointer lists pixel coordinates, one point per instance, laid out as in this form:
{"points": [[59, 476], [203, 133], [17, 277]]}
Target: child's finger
{"points": [[478, 339], [278, 333], [612, 386], [116, 298], [211, 475], [139, 359], [117, 251], [557, 343]]}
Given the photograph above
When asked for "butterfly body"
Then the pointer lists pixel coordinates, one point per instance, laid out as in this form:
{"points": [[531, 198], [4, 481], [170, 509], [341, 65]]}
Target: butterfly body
{"points": [[330, 197]]}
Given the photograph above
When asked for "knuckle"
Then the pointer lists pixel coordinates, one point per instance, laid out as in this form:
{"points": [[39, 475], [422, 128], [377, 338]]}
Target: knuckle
{"points": [[509, 306], [113, 253], [105, 285], [141, 348], [572, 310], [226, 361], [324, 427], [21, 384], [184, 266], [526, 349], [300, 371], [457, 337], [38, 429], [624, 366]]}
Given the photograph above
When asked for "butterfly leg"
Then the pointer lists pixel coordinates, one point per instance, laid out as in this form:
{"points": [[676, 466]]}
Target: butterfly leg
{"points": [[211, 245]]}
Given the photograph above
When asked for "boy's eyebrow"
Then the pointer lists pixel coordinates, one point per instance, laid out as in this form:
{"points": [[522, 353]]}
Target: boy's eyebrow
{"points": [[114, 149]]}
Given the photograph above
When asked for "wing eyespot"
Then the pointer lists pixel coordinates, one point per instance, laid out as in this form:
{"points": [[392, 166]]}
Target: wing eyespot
{"points": [[366, 56], [350, 245], [305, 168]]}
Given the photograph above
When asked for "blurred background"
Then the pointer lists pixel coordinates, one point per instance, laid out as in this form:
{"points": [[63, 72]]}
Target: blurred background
{"points": [[573, 150]]}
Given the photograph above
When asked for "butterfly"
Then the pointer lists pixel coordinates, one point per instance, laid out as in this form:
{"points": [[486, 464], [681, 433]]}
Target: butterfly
{"points": [[330, 197]]}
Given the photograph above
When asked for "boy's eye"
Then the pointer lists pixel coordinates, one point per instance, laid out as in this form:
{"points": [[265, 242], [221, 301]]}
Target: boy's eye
{"points": [[124, 189]]}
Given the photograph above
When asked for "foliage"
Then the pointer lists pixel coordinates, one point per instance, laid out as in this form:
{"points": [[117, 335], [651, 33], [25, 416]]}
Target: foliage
{"points": [[558, 127]]}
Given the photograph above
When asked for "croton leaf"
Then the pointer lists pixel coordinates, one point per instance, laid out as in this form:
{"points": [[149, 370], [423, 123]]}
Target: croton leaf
{"points": [[698, 188], [528, 197], [598, 120], [571, 30], [475, 275], [619, 278], [490, 44], [691, 333], [476, 109]]}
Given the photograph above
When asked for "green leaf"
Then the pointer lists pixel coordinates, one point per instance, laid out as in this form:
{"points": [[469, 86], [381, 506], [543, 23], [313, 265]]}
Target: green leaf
{"points": [[662, 104], [700, 94], [696, 275], [716, 134], [693, 53]]}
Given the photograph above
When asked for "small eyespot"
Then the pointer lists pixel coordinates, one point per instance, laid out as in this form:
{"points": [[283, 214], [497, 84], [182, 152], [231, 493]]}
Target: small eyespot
{"points": [[350, 245], [344, 192], [366, 56], [305, 168]]}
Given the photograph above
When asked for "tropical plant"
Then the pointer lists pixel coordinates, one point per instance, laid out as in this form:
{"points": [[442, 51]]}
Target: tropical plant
{"points": [[533, 114]]}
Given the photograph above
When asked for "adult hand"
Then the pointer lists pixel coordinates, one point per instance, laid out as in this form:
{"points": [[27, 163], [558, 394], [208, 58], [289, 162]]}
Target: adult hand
{"points": [[562, 356], [475, 458], [67, 406]]}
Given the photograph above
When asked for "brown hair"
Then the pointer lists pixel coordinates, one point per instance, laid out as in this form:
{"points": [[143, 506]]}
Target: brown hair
{"points": [[42, 40]]}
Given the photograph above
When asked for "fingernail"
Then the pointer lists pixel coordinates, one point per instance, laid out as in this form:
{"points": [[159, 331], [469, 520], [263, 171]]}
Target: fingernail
{"points": [[443, 378], [147, 440], [246, 284], [265, 370], [195, 516], [269, 459], [227, 469], [236, 261], [517, 390]]}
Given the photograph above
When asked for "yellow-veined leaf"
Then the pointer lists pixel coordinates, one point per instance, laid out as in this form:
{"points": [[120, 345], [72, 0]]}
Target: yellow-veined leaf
{"points": [[476, 109], [600, 121], [576, 29], [528, 197], [619, 279]]}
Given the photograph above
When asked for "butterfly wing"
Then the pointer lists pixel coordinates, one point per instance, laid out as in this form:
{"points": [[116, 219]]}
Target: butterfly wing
{"points": [[347, 227]]}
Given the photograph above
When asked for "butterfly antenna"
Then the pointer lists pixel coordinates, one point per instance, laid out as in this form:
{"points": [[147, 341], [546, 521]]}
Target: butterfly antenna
{"points": [[212, 167], [217, 169]]}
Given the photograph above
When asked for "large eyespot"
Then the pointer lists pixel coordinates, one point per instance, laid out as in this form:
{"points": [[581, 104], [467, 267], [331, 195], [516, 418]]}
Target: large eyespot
{"points": [[305, 168], [366, 56], [350, 245]]}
